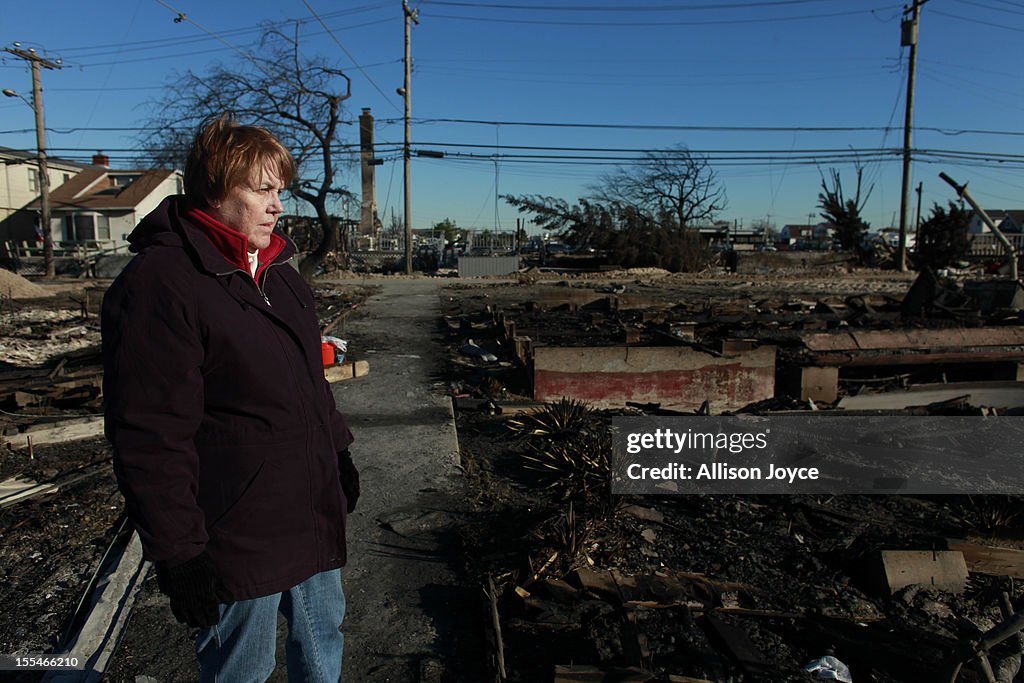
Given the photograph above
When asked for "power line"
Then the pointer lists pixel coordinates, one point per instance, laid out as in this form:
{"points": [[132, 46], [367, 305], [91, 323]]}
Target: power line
{"points": [[181, 16], [338, 42], [991, 7], [161, 42], [977, 21], [636, 8], [707, 22], [946, 131], [720, 129]]}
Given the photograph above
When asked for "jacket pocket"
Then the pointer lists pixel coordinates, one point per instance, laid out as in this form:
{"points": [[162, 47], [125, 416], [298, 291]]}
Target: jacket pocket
{"points": [[259, 491]]}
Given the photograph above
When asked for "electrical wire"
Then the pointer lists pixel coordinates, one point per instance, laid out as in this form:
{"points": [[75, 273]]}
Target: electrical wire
{"points": [[177, 55], [654, 24], [972, 20], [110, 48], [720, 129], [345, 50], [590, 7], [997, 9]]}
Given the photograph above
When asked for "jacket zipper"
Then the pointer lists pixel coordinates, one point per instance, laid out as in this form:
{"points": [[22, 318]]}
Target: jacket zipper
{"points": [[258, 288], [265, 271]]}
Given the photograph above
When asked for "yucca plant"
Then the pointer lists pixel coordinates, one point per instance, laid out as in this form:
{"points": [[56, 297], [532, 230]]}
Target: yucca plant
{"points": [[577, 465], [562, 419], [992, 512]]}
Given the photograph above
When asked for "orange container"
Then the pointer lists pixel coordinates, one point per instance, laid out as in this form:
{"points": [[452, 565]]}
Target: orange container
{"points": [[327, 352]]}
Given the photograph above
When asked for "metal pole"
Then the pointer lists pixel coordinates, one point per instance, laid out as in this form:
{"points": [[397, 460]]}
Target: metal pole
{"points": [[410, 16], [909, 37]]}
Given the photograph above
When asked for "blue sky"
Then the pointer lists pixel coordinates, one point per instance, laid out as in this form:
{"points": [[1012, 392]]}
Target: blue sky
{"points": [[742, 81]]}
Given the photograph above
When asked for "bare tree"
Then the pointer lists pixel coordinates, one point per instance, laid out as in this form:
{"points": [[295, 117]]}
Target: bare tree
{"points": [[297, 98], [674, 182]]}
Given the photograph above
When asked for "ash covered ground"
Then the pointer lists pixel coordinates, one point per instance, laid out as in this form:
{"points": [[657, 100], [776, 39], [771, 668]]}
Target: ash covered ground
{"points": [[716, 588], [710, 587]]}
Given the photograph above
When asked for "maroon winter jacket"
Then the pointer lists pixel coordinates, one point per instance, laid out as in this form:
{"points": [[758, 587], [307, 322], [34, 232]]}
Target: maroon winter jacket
{"points": [[224, 429]]}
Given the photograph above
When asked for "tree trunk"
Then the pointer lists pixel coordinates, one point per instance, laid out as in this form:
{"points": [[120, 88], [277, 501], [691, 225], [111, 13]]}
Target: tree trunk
{"points": [[328, 242]]}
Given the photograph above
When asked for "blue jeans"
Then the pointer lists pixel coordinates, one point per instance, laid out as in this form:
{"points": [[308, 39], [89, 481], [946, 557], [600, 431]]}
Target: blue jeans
{"points": [[242, 647]]}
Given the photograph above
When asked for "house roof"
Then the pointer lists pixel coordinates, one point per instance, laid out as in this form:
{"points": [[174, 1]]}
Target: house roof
{"points": [[19, 156], [1016, 215], [999, 217], [93, 189]]}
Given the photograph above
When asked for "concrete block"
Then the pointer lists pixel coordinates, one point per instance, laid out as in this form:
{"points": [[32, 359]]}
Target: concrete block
{"points": [[943, 569]]}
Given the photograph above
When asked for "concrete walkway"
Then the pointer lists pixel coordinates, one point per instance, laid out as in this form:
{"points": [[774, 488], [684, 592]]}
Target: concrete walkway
{"points": [[408, 618]]}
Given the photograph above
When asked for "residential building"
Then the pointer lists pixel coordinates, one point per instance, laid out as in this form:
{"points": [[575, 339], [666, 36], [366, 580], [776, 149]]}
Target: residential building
{"points": [[797, 235], [1008, 221], [101, 206], [19, 187]]}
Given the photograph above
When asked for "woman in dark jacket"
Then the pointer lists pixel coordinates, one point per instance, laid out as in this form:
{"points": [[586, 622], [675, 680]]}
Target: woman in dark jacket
{"points": [[228, 448]]}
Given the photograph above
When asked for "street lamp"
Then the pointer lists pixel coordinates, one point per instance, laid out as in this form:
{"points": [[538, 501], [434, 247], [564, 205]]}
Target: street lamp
{"points": [[44, 176]]}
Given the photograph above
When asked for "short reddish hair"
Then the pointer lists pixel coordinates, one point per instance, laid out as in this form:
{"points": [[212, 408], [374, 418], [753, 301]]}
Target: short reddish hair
{"points": [[225, 154]]}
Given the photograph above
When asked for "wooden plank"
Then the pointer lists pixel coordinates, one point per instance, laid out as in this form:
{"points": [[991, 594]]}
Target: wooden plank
{"points": [[346, 370], [112, 602], [590, 674], [994, 561], [15, 489], [70, 431], [896, 569]]}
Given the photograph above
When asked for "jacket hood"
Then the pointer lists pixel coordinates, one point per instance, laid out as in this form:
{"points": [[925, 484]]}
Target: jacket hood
{"points": [[156, 228], [168, 225]]}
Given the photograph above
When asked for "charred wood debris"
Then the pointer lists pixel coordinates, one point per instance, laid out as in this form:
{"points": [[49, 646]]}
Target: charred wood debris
{"points": [[61, 515], [577, 585], [581, 585]]}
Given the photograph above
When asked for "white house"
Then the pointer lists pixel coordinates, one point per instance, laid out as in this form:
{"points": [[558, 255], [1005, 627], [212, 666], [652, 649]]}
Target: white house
{"points": [[1008, 221], [101, 206], [19, 187]]}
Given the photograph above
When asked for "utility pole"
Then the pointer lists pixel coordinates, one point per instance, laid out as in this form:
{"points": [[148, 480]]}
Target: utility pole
{"points": [[38, 62], [411, 17], [908, 37], [917, 218]]}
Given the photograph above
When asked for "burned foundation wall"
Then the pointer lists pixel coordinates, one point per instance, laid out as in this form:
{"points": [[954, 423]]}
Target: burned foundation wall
{"points": [[677, 377]]}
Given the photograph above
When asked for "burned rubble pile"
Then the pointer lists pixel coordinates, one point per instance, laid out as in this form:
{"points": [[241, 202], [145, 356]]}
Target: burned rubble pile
{"points": [[59, 507], [586, 586]]}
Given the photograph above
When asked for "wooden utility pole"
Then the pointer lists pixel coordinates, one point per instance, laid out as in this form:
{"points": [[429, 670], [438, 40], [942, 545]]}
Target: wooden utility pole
{"points": [[38, 62], [1011, 250], [411, 17], [917, 216], [908, 37]]}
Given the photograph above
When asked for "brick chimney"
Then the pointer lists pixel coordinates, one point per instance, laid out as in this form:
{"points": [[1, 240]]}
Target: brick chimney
{"points": [[368, 213], [100, 159]]}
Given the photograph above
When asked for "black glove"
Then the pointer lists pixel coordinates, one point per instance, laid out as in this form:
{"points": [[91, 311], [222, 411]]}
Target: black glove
{"points": [[194, 589], [349, 476]]}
